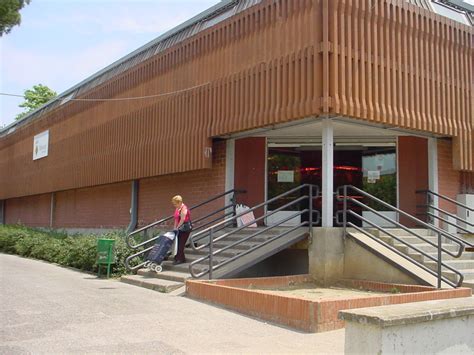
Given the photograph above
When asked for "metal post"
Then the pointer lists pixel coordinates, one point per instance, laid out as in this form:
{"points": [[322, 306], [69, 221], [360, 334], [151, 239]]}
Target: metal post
{"points": [[234, 208], [344, 210], [439, 260], [311, 211], [328, 174], [433, 183], [211, 251], [51, 213], [429, 203], [2, 212]]}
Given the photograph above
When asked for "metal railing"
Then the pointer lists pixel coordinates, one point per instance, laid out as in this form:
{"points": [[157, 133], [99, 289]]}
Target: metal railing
{"points": [[198, 224], [342, 195], [431, 210], [207, 238]]}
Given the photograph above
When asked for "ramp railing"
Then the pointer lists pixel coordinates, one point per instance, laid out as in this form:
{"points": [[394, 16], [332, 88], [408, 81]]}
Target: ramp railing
{"points": [[344, 195], [436, 213], [206, 239], [143, 239]]}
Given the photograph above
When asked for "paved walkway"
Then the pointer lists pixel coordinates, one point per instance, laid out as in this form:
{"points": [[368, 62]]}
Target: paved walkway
{"points": [[49, 309]]}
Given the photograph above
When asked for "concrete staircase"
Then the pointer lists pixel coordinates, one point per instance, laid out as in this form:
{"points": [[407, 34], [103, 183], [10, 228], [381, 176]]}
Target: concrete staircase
{"points": [[173, 277], [464, 264]]}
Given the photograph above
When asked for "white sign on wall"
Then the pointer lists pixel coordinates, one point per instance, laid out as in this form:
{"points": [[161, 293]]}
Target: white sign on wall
{"points": [[40, 145]]}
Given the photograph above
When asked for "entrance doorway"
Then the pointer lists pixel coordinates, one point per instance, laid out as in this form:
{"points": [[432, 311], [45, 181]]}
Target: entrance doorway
{"points": [[368, 166]]}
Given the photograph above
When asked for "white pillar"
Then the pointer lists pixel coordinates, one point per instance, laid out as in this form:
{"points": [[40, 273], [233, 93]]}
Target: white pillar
{"points": [[229, 167], [328, 173], [433, 172]]}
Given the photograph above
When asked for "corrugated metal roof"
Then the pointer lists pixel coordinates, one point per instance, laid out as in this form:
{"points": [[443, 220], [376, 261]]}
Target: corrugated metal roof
{"points": [[204, 20]]}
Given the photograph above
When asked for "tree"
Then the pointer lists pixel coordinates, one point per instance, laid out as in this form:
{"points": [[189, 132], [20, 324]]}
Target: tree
{"points": [[35, 97], [10, 14]]}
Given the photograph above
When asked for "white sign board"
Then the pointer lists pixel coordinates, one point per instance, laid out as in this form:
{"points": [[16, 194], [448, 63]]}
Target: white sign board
{"points": [[373, 176], [286, 176], [40, 145]]}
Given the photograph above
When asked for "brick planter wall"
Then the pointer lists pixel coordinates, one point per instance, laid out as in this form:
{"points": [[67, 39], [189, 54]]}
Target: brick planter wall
{"points": [[300, 313]]}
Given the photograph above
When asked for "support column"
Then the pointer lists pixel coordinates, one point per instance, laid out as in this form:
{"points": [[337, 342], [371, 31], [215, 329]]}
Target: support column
{"points": [[229, 168], [327, 173], [52, 207], [433, 173], [133, 207], [2, 212]]}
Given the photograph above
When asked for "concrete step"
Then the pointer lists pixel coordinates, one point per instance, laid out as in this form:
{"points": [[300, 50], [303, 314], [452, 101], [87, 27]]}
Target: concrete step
{"points": [[260, 238], [190, 257], [261, 253], [445, 257], [241, 246], [247, 231], [160, 285], [415, 240], [427, 247], [456, 264], [468, 283], [183, 268], [408, 239], [460, 264], [402, 232], [227, 253], [175, 272], [169, 275]]}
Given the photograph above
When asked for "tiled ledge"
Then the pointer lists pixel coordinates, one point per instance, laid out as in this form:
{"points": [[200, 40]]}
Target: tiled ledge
{"points": [[411, 313]]}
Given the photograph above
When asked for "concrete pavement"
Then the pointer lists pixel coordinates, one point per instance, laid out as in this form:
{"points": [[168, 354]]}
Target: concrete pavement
{"points": [[49, 309]]}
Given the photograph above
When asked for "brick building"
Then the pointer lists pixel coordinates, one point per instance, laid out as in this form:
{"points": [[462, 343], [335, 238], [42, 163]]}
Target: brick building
{"points": [[255, 95]]}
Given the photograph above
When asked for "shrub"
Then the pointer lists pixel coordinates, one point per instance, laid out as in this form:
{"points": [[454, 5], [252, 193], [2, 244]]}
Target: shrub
{"points": [[78, 251]]}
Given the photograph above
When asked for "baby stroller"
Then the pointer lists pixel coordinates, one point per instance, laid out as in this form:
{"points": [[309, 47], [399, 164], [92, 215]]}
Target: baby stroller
{"points": [[159, 251]]}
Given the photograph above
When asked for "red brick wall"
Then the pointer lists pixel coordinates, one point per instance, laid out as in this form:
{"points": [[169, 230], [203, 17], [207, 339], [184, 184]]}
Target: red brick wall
{"points": [[448, 177], [154, 201], [250, 170], [106, 206], [467, 182], [412, 173], [33, 211]]}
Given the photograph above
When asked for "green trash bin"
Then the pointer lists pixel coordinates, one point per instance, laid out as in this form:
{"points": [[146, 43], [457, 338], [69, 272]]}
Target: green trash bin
{"points": [[105, 254]]}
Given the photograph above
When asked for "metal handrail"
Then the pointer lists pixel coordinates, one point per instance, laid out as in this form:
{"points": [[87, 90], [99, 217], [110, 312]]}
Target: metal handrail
{"points": [[345, 199], [398, 224], [208, 232], [147, 243], [166, 219], [265, 203], [444, 233], [449, 214], [258, 219], [398, 252], [446, 198], [448, 222], [434, 216], [248, 251]]}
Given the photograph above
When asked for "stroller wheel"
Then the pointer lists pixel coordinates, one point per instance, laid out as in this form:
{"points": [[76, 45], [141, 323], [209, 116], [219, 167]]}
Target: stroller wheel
{"points": [[158, 269], [146, 264]]}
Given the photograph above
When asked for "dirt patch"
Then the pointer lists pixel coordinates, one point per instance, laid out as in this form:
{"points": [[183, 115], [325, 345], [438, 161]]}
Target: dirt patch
{"points": [[313, 292]]}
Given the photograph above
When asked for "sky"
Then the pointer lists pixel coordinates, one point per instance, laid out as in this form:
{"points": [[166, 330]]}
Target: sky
{"points": [[62, 42]]}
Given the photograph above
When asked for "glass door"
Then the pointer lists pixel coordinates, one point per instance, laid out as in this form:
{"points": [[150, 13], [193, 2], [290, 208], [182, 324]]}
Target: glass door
{"points": [[370, 167]]}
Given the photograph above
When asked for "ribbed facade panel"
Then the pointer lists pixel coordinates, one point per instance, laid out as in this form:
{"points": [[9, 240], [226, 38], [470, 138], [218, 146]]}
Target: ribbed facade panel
{"points": [[248, 71], [401, 65], [273, 62]]}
